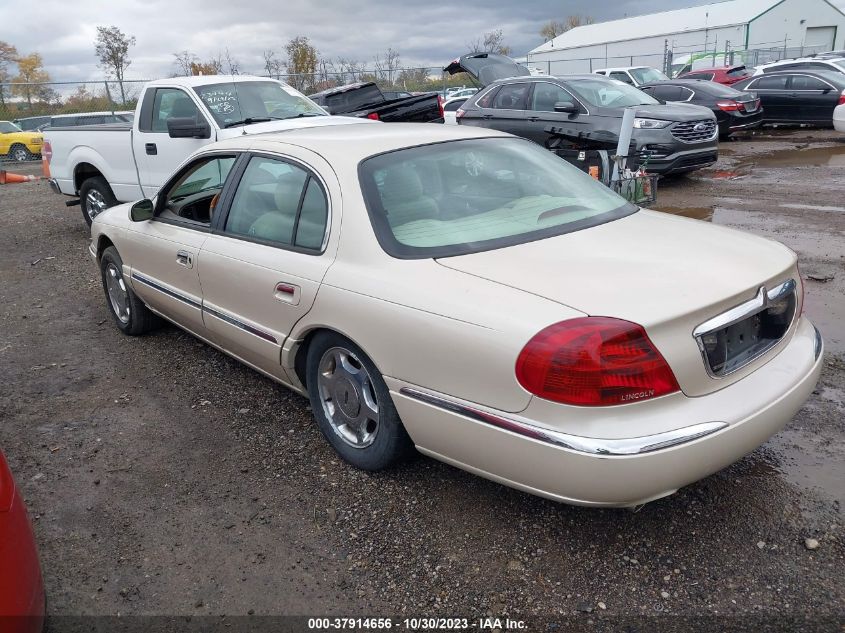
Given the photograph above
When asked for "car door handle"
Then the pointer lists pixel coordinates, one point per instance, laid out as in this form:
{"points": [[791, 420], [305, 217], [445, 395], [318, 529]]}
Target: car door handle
{"points": [[151, 149], [533, 119], [287, 293], [486, 116], [184, 258]]}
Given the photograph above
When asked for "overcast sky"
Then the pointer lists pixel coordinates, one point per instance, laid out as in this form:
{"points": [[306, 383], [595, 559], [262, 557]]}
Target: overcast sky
{"points": [[424, 32]]}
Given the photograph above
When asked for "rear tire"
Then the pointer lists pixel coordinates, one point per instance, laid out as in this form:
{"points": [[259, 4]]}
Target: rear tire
{"points": [[128, 311], [352, 404], [95, 196]]}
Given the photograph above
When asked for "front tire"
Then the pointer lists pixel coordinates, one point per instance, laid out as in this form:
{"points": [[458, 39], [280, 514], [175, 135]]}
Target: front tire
{"points": [[352, 404], [95, 196], [20, 154], [128, 311]]}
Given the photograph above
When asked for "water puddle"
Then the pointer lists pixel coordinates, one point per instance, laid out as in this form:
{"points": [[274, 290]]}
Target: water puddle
{"points": [[833, 156]]}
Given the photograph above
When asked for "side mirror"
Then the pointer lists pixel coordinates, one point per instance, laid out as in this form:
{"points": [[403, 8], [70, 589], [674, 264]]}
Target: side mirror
{"points": [[141, 210], [566, 106], [187, 127]]}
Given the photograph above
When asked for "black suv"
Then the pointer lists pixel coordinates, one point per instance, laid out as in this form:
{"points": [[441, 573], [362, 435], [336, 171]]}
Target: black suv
{"points": [[678, 137]]}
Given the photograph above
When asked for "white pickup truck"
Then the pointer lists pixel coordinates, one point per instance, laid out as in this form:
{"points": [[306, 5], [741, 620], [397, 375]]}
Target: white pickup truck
{"points": [[102, 165]]}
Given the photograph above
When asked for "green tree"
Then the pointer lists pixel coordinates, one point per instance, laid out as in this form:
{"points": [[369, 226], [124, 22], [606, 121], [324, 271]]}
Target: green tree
{"points": [[302, 62], [31, 73], [8, 56], [112, 47]]}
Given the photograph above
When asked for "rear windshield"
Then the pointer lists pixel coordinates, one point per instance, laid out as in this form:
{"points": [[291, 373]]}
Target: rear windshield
{"points": [[739, 70], [474, 195], [720, 90], [356, 99], [608, 93], [647, 75]]}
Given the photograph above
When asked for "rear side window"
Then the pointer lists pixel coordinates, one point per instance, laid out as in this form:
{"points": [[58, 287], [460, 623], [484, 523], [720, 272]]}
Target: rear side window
{"points": [[705, 76], [511, 97], [486, 101], [803, 82], [453, 106], [777, 82], [668, 93], [622, 77], [279, 203]]}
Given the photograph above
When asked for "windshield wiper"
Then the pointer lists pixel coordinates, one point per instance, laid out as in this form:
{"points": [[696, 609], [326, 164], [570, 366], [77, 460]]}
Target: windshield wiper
{"points": [[304, 114], [252, 119]]}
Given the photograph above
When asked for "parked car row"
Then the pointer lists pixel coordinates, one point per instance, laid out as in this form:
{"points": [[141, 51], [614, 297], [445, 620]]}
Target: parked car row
{"points": [[18, 145]]}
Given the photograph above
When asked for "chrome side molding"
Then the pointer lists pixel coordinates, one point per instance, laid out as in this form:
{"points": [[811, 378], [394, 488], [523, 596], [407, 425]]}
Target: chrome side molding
{"points": [[588, 445]]}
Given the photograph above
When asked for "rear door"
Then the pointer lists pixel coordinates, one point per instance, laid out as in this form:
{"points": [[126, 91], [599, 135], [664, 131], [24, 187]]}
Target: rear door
{"points": [[263, 263], [774, 96], [156, 154], [815, 99], [541, 111], [507, 109]]}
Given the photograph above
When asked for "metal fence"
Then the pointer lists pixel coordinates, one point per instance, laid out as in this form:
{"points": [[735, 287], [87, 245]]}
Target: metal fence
{"points": [[671, 61]]}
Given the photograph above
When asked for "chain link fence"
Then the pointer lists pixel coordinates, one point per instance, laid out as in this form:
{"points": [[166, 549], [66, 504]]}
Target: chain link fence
{"points": [[672, 61]]}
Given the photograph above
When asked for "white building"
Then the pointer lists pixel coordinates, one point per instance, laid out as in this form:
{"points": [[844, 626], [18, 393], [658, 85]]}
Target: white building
{"points": [[779, 28]]}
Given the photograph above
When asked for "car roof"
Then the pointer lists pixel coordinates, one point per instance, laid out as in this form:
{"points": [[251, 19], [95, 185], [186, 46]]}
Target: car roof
{"points": [[714, 69], [620, 68], [802, 60], [204, 80], [344, 143], [831, 76]]}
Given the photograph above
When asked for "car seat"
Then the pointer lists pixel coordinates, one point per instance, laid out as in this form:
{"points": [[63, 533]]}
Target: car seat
{"points": [[403, 199], [277, 225]]}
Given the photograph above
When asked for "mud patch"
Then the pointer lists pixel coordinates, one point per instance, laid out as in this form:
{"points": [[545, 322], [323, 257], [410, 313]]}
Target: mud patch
{"points": [[811, 462]]}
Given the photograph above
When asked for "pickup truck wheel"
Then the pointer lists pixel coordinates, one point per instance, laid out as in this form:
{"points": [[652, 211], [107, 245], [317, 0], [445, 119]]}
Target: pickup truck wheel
{"points": [[352, 404], [95, 196], [128, 311], [20, 153]]}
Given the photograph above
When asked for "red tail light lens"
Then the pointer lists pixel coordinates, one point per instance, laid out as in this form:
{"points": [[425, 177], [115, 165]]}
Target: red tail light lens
{"points": [[459, 113], [440, 105], [729, 105], [592, 362], [842, 98], [7, 486], [373, 116], [47, 151]]}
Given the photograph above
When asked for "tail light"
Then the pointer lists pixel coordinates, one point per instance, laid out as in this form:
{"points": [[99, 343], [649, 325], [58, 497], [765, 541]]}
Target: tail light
{"points": [[373, 116], [47, 151], [842, 98], [459, 113], [440, 103], [594, 361], [729, 105], [7, 486]]}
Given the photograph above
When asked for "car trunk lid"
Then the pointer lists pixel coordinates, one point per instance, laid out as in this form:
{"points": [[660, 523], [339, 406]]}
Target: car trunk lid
{"points": [[485, 68], [666, 273]]}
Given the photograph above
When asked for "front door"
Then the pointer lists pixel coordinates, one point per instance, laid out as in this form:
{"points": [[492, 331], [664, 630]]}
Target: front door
{"points": [[165, 250], [542, 113], [815, 99], [156, 153], [261, 267]]}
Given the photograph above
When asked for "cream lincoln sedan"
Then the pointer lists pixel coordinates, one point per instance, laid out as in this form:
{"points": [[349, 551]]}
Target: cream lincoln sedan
{"points": [[470, 294]]}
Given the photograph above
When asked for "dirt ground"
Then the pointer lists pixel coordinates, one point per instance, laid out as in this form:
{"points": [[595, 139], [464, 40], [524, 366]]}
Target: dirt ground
{"points": [[164, 478]]}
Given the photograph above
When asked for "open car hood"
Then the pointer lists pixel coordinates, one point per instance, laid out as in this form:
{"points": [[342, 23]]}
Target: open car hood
{"points": [[486, 68]]}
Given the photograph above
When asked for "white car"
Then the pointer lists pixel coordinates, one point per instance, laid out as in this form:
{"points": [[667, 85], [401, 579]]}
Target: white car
{"points": [[102, 165], [470, 294], [450, 109], [839, 118], [832, 64], [633, 75], [465, 93]]}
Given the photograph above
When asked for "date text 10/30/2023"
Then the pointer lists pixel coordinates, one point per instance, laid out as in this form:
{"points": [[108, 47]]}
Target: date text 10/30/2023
{"points": [[416, 624]]}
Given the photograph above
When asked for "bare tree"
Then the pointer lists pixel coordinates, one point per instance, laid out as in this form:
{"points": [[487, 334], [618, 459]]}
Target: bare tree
{"points": [[211, 67], [229, 63], [490, 42], [8, 55], [387, 65], [553, 28], [272, 64], [112, 48], [351, 69], [183, 61]]}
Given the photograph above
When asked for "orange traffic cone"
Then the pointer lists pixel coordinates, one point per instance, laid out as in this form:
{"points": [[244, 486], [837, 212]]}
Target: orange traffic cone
{"points": [[9, 179]]}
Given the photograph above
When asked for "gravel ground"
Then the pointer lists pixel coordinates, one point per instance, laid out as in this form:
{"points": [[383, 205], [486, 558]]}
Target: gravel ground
{"points": [[164, 478]]}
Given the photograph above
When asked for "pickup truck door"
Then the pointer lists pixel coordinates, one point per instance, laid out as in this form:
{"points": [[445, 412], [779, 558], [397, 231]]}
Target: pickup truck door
{"points": [[156, 154], [164, 250], [263, 263]]}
